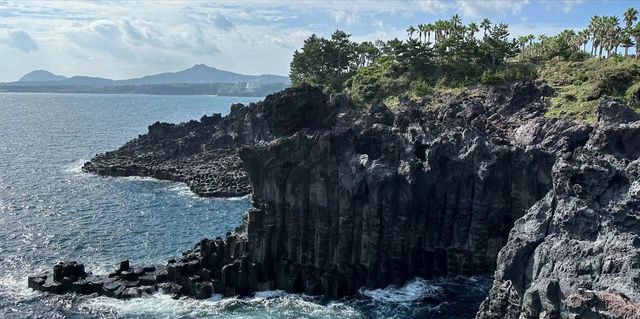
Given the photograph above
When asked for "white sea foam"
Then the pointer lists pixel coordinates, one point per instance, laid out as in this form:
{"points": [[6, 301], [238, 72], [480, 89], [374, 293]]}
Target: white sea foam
{"points": [[239, 198], [16, 288], [182, 189], [414, 290], [276, 304], [142, 179], [75, 167], [270, 294]]}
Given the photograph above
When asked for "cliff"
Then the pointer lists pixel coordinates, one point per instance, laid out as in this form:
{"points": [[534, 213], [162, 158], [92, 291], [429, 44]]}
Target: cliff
{"points": [[453, 185], [203, 154], [577, 251]]}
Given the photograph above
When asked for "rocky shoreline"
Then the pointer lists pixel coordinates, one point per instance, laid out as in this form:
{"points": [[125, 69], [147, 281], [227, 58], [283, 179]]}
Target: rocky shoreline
{"points": [[478, 182], [203, 154]]}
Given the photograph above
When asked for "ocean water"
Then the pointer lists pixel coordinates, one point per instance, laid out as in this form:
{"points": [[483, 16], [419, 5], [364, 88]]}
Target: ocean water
{"points": [[51, 211]]}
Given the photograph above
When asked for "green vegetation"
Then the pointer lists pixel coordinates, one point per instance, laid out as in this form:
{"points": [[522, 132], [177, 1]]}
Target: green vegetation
{"points": [[581, 85], [583, 66]]}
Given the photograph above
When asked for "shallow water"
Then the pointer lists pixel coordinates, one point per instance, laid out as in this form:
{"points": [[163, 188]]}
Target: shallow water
{"points": [[51, 211]]}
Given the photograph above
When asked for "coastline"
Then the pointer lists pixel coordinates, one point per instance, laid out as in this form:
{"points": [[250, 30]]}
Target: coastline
{"points": [[378, 176]]}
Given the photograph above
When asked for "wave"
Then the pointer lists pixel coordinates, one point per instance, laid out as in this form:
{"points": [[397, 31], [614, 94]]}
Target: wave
{"points": [[183, 190], [414, 290], [269, 294], [274, 304], [15, 288], [239, 198], [74, 167]]}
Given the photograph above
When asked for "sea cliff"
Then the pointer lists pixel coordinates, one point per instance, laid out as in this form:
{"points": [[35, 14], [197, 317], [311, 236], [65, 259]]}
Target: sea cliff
{"points": [[343, 197]]}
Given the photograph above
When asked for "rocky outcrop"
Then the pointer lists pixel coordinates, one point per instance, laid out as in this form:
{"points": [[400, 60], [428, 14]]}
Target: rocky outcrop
{"points": [[124, 283], [345, 198], [203, 154], [582, 236]]}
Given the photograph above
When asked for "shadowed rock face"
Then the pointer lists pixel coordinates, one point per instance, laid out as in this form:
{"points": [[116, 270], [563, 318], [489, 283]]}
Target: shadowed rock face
{"points": [[582, 236], [338, 210], [345, 198]]}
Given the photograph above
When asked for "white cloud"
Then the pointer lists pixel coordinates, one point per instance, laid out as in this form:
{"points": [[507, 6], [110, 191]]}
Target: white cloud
{"points": [[519, 29], [109, 39], [346, 17], [565, 5], [221, 22], [19, 40], [487, 8]]}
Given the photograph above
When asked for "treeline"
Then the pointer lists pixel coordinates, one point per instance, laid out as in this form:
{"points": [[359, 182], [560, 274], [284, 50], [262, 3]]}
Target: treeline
{"points": [[456, 52], [605, 36], [451, 53]]}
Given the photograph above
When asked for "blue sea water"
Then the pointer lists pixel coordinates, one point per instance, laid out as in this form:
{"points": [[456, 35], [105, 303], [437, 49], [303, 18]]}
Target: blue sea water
{"points": [[51, 211]]}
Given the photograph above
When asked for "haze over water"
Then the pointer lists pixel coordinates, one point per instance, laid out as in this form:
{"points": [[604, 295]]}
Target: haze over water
{"points": [[51, 211]]}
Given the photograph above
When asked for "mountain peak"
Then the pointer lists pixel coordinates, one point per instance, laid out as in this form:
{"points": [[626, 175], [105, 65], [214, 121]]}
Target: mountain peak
{"points": [[41, 75], [201, 67]]}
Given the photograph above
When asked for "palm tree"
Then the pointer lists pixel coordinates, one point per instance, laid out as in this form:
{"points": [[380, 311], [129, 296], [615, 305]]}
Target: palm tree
{"points": [[430, 28], [635, 32], [630, 16], [625, 41], [530, 38], [411, 30], [593, 29], [485, 25], [543, 40], [612, 26], [421, 31], [523, 42], [439, 27], [601, 30], [472, 28], [456, 20], [583, 36]]}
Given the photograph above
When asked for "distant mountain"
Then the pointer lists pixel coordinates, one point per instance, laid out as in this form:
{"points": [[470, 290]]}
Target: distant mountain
{"points": [[41, 75], [201, 73], [198, 74]]}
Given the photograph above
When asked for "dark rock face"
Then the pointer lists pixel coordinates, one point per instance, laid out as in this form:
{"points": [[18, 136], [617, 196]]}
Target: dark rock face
{"points": [[124, 283], [583, 236], [334, 215], [203, 154], [345, 198], [296, 109], [613, 110]]}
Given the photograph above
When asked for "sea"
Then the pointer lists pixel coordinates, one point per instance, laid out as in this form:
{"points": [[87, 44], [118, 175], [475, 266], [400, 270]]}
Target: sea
{"points": [[51, 211]]}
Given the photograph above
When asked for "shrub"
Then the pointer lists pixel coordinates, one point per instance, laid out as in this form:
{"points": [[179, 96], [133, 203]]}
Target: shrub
{"points": [[379, 81], [420, 88], [632, 96]]}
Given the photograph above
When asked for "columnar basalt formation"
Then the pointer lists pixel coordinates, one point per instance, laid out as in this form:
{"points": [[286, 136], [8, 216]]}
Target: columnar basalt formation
{"points": [[345, 198]]}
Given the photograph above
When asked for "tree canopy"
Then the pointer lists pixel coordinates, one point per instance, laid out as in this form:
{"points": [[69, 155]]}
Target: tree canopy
{"points": [[450, 51]]}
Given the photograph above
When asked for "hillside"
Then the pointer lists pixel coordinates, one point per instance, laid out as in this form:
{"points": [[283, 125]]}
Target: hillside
{"points": [[41, 75], [197, 74], [201, 73], [197, 80]]}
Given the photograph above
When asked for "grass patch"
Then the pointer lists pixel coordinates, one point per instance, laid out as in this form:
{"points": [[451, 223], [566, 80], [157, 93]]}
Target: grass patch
{"points": [[580, 86]]}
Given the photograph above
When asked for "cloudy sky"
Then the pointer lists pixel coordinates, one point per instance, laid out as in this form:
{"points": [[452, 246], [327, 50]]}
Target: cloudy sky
{"points": [[123, 39]]}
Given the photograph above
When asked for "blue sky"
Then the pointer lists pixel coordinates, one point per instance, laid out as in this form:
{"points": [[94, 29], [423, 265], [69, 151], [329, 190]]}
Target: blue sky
{"points": [[122, 39]]}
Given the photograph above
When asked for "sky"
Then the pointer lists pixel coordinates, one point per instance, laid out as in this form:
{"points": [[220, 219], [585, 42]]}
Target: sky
{"points": [[124, 39]]}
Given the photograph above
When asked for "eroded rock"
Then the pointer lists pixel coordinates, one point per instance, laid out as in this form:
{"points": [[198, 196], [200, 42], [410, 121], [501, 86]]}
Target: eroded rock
{"points": [[345, 198]]}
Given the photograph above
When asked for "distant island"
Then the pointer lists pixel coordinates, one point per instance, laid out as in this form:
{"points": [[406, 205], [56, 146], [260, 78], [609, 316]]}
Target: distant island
{"points": [[197, 80]]}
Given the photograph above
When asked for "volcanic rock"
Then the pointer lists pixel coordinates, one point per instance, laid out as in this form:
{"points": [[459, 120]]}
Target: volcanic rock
{"points": [[472, 183]]}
